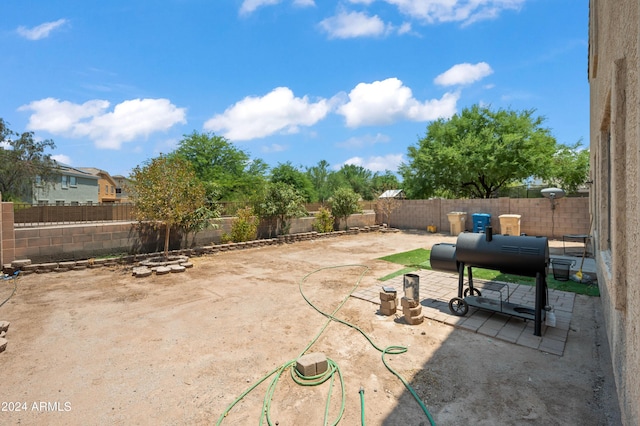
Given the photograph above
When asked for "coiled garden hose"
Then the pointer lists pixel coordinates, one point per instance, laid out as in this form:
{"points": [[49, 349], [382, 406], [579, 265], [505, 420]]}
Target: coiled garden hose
{"points": [[333, 367], [14, 277]]}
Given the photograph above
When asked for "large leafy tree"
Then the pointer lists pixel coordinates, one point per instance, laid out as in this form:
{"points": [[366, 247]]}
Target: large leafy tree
{"points": [[570, 168], [22, 161], [320, 179], [283, 202], [167, 193], [477, 152], [359, 179], [291, 175], [227, 171], [344, 203]]}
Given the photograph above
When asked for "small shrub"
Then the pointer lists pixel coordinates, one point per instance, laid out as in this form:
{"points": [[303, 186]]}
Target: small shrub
{"points": [[245, 226], [324, 220], [226, 238]]}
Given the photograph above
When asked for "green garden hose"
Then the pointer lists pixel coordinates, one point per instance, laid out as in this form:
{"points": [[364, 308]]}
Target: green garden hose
{"points": [[333, 369]]}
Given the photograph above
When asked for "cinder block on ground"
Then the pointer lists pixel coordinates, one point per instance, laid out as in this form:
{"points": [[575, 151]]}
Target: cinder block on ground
{"points": [[312, 364], [177, 268], [412, 312], [388, 304], [414, 320], [388, 312], [409, 303], [20, 263], [384, 296]]}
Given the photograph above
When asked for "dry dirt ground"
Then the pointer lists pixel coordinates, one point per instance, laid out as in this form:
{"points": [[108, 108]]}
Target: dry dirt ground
{"points": [[102, 347]]}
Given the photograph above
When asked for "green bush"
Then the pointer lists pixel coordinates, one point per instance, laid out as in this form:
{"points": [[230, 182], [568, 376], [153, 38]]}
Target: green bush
{"points": [[245, 226], [324, 220]]}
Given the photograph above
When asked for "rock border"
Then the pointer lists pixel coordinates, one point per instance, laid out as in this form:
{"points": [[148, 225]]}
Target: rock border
{"points": [[143, 260]]}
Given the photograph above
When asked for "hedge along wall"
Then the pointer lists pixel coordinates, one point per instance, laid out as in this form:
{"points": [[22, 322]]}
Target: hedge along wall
{"points": [[570, 216], [74, 242]]}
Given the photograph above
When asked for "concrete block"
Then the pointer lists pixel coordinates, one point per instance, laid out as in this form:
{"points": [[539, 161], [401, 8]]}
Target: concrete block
{"points": [[187, 264], [20, 263], [414, 320], [384, 296], [142, 271], [161, 270], [312, 364], [409, 303], [412, 312], [388, 304], [177, 268], [388, 312]]}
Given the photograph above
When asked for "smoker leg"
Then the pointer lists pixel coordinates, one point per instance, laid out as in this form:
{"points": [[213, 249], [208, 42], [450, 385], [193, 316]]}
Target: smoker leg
{"points": [[540, 296], [460, 279]]}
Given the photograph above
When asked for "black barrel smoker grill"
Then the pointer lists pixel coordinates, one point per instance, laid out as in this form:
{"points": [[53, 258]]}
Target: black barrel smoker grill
{"points": [[517, 255]]}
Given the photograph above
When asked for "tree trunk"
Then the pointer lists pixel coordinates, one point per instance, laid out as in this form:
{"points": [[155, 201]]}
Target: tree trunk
{"points": [[166, 240]]}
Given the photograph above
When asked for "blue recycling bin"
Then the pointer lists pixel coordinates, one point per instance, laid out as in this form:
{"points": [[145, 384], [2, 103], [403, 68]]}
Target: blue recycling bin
{"points": [[480, 220]]}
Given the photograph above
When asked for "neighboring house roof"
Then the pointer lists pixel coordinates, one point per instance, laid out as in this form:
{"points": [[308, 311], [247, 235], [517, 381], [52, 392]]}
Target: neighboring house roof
{"points": [[392, 193], [68, 170]]}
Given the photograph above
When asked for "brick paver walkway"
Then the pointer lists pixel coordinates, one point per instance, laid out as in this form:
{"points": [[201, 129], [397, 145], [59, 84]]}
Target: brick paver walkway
{"points": [[437, 288]]}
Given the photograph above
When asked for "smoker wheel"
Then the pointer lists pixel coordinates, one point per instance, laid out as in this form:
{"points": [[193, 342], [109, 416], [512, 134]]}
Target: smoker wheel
{"points": [[458, 306], [475, 292]]}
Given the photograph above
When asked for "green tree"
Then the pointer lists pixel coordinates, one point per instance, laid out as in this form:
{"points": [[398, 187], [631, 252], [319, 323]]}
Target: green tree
{"points": [[324, 220], [22, 161], [167, 193], [228, 172], [245, 226], [570, 168], [282, 202], [385, 181], [477, 152], [359, 179], [319, 176], [344, 203], [289, 174]]}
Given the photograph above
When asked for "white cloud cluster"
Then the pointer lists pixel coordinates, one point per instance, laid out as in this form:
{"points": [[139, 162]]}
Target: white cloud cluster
{"points": [[41, 31], [354, 24], [250, 6], [466, 73], [278, 111], [465, 11], [387, 101], [368, 104], [128, 121], [377, 163]]}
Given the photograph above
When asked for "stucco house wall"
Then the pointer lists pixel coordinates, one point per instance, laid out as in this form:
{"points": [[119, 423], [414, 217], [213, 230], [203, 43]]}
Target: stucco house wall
{"points": [[70, 186], [614, 62]]}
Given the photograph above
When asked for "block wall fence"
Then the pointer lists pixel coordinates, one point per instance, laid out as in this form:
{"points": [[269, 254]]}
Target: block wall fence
{"points": [[82, 241], [570, 215]]}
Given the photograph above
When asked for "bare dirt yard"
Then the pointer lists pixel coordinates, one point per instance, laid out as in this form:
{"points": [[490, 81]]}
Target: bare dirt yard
{"points": [[100, 346]]}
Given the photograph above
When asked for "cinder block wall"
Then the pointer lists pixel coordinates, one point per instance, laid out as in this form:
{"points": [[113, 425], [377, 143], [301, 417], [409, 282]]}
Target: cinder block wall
{"points": [[69, 242], [570, 216]]}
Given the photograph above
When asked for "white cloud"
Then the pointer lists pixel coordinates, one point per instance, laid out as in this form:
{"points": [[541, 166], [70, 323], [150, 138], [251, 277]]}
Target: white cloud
{"points": [[250, 6], [354, 24], [277, 111], [377, 163], [274, 148], [128, 121], [465, 11], [304, 3], [61, 158], [387, 101], [463, 74], [359, 142], [41, 31]]}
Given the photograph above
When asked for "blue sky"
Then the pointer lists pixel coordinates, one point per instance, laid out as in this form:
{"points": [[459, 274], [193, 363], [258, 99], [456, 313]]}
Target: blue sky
{"points": [[114, 83]]}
